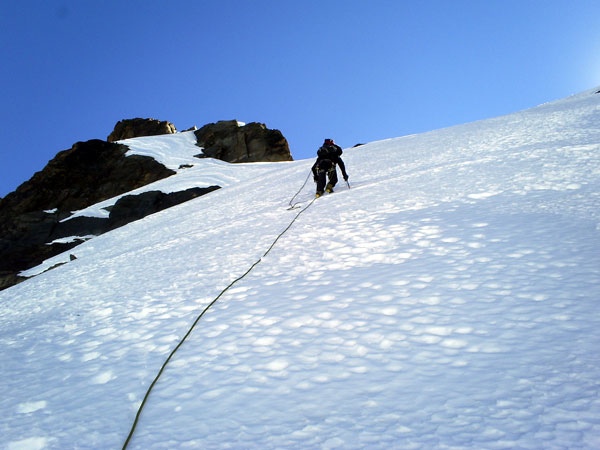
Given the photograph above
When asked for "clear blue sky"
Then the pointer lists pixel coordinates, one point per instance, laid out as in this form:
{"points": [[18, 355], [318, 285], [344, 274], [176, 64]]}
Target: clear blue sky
{"points": [[352, 70]]}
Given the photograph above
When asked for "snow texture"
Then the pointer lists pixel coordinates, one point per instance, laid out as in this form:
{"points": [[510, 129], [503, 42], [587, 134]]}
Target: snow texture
{"points": [[448, 300]]}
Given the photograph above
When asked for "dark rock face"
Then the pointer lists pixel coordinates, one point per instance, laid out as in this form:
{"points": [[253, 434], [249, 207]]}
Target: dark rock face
{"points": [[130, 128], [34, 219], [134, 207], [87, 173], [228, 141]]}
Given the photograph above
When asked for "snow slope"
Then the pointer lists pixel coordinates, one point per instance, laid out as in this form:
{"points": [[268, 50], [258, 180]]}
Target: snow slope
{"points": [[448, 300]]}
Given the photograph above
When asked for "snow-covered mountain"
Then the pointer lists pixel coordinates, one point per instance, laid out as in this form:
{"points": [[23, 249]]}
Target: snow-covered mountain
{"points": [[447, 300]]}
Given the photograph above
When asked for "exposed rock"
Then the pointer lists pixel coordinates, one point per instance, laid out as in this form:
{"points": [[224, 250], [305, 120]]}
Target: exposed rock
{"points": [[87, 173], [134, 207], [127, 209], [43, 241], [131, 128], [230, 141], [8, 279], [34, 219], [80, 226]]}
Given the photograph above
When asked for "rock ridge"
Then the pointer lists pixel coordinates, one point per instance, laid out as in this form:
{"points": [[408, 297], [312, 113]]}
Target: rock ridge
{"points": [[34, 219]]}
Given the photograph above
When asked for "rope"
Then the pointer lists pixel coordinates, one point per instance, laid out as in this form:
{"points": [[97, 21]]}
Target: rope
{"points": [[292, 206], [178, 346]]}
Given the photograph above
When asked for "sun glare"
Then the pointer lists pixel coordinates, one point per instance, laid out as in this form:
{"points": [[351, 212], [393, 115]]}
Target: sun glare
{"points": [[587, 70]]}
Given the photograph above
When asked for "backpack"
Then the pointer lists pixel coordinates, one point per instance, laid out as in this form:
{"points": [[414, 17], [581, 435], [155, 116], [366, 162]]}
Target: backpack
{"points": [[328, 152]]}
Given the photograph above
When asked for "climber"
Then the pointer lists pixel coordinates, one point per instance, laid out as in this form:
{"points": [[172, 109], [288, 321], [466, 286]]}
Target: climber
{"points": [[328, 156]]}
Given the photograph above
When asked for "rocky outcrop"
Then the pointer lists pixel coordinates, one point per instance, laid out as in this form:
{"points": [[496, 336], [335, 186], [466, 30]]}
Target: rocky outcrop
{"points": [[35, 219], [134, 207], [130, 128], [87, 173], [233, 142], [127, 209]]}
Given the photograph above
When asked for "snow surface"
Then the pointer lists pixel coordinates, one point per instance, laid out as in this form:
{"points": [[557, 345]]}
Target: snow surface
{"points": [[448, 300]]}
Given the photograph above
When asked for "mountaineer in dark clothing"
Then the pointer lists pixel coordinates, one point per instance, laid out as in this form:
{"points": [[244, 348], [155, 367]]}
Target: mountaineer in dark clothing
{"points": [[328, 156]]}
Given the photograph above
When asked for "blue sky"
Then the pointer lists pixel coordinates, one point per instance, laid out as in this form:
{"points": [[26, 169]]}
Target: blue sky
{"points": [[355, 71]]}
